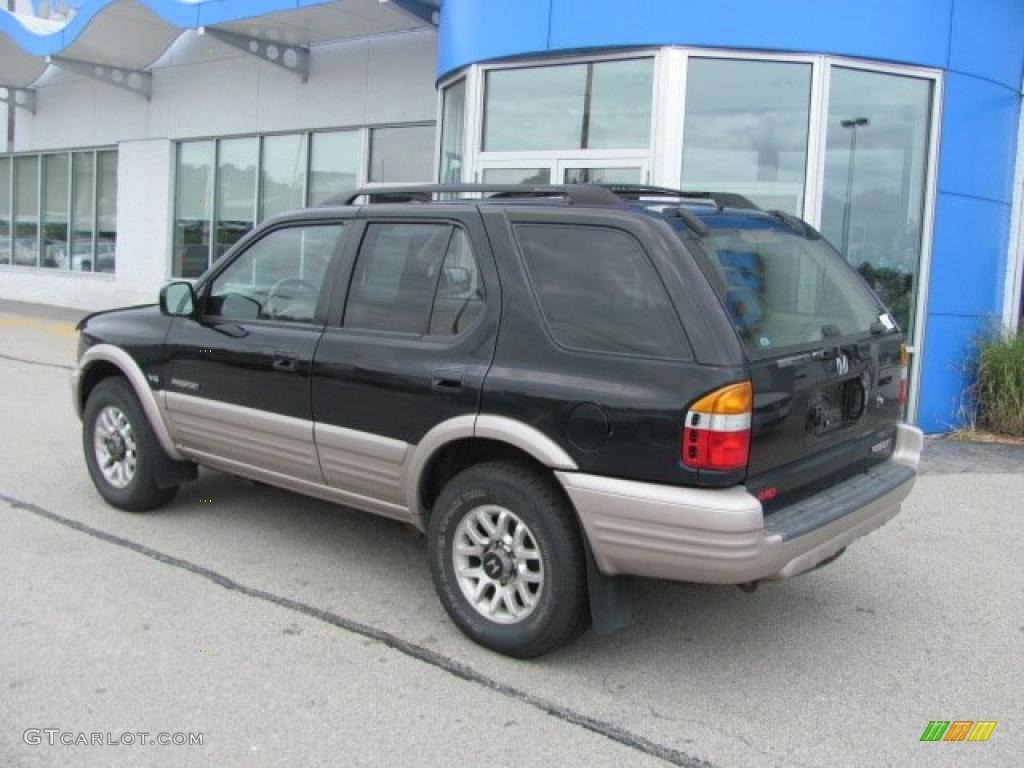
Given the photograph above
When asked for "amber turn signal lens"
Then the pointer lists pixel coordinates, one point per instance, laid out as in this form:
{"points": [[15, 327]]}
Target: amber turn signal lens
{"points": [[730, 400]]}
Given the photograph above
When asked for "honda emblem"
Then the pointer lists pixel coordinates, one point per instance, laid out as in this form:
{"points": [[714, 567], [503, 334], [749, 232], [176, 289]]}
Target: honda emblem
{"points": [[842, 365]]}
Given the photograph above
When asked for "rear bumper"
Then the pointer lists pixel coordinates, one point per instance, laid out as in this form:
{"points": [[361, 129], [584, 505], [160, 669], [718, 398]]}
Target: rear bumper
{"points": [[721, 536]]}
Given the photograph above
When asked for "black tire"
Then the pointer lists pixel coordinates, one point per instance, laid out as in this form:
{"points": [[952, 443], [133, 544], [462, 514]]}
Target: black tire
{"points": [[561, 612], [142, 492]]}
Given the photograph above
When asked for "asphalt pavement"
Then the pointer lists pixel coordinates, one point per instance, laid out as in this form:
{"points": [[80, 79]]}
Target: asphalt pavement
{"points": [[283, 630]]}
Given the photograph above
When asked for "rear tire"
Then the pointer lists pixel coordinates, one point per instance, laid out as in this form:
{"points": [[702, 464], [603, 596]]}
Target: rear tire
{"points": [[121, 449], [507, 559]]}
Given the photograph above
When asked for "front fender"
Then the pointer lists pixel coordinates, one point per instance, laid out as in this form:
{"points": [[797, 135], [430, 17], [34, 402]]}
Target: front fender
{"points": [[124, 362]]}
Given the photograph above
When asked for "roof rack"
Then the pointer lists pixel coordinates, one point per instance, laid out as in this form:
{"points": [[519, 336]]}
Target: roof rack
{"points": [[578, 194], [718, 199]]}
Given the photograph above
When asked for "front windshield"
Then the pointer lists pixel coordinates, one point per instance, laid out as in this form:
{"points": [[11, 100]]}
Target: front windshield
{"points": [[782, 290]]}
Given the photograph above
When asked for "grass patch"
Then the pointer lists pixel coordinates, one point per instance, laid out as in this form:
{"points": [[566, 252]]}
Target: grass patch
{"points": [[999, 388]]}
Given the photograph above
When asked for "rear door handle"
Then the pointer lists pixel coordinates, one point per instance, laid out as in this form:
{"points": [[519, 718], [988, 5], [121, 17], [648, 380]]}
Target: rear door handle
{"points": [[447, 378], [285, 363]]}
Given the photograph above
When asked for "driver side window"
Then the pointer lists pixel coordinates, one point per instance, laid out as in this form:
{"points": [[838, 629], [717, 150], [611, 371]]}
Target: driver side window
{"points": [[279, 277]]}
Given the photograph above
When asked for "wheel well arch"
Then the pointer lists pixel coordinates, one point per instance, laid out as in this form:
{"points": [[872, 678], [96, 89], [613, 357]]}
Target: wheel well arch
{"points": [[460, 454], [92, 376]]}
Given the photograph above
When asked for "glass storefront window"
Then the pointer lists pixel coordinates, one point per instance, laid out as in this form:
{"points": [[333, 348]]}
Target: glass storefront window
{"points": [[402, 154], [334, 165], [517, 176], [106, 211], [746, 130], [83, 197], [453, 118], [876, 160], [56, 178], [193, 208], [26, 211], [5, 210], [283, 185], [595, 105], [237, 163], [603, 175]]}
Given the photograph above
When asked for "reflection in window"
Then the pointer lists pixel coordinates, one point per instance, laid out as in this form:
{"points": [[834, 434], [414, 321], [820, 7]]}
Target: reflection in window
{"points": [[5, 210], [26, 211], [279, 277], [597, 105], [193, 208], [517, 176], [106, 211], [453, 118], [83, 199], [237, 160], [334, 167], [55, 211], [283, 185], [875, 174], [746, 130], [402, 154]]}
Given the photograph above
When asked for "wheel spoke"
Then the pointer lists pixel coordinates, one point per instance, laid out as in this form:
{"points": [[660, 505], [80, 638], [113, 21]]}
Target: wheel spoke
{"points": [[524, 594], [479, 588], [488, 524], [496, 599], [478, 538]]}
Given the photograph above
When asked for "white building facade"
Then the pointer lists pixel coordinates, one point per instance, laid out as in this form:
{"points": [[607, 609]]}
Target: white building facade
{"points": [[112, 191]]}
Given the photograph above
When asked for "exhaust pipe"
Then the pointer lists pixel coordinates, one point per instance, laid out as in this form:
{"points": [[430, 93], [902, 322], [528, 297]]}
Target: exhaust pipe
{"points": [[749, 586]]}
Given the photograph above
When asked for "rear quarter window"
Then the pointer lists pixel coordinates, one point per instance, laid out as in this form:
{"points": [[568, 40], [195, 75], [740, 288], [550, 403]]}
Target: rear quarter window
{"points": [[599, 292]]}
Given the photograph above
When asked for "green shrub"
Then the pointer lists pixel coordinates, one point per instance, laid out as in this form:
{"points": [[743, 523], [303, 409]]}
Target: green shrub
{"points": [[1000, 384]]}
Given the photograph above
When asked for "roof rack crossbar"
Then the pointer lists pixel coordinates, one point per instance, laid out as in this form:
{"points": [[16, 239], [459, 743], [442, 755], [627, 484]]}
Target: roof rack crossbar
{"points": [[579, 194]]}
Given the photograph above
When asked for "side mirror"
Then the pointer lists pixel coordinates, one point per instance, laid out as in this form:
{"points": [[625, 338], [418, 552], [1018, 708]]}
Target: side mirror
{"points": [[178, 299]]}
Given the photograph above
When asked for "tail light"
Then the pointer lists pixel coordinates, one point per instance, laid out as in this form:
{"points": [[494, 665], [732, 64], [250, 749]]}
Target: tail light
{"points": [[716, 434], [905, 363]]}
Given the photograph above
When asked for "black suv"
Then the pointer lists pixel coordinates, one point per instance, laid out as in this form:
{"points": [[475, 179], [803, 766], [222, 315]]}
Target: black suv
{"points": [[558, 385]]}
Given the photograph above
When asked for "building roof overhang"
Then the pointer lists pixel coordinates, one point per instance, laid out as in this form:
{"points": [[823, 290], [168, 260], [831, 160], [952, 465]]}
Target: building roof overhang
{"points": [[131, 35]]}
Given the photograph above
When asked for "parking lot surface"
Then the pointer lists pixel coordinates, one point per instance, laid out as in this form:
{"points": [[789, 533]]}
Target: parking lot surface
{"points": [[286, 630]]}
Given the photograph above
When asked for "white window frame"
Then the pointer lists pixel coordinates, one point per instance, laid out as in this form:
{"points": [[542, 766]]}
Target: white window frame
{"points": [[1014, 283]]}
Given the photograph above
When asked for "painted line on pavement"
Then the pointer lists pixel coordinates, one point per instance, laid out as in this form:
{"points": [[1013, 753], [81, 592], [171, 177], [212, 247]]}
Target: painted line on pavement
{"points": [[405, 647]]}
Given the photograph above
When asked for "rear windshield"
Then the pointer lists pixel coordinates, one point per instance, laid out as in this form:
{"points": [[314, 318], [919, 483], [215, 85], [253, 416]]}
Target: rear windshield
{"points": [[784, 291]]}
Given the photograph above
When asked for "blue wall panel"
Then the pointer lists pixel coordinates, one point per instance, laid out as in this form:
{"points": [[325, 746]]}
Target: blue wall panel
{"points": [[910, 31], [988, 40], [948, 348], [968, 256], [477, 30], [979, 138], [907, 31]]}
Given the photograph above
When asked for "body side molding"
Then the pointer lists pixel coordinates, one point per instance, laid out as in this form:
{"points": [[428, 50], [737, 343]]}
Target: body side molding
{"points": [[127, 365]]}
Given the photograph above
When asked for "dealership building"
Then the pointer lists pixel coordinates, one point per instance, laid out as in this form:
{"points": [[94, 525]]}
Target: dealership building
{"points": [[143, 138]]}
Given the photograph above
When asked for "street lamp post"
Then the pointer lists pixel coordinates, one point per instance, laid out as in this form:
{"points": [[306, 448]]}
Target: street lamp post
{"points": [[853, 124]]}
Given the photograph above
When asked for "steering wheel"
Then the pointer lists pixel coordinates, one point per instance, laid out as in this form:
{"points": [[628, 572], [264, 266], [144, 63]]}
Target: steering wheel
{"points": [[303, 289]]}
